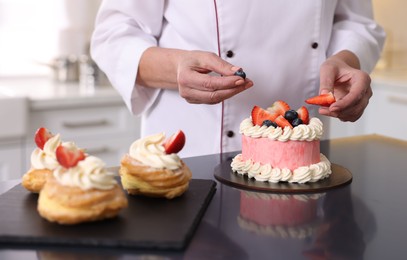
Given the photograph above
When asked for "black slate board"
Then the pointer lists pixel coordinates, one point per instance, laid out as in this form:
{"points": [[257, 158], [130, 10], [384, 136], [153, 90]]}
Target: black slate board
{"points": [[340, 176], [148, 223]]}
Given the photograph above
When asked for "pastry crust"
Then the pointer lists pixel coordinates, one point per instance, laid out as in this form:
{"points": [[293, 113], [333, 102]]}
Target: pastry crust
{"points": [[35, 179], [140, 179], [72, 205]]}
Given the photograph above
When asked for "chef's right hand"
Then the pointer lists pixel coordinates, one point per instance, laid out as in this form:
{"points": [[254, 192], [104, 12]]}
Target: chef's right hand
{"points": [[205, 78]]}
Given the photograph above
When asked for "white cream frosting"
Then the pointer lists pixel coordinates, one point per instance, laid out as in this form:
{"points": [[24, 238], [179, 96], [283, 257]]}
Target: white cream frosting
{"points": [[150, 151], [267, 173], [87, 174], [272, 196], [46, 158], [296, 232], [309, 132]]}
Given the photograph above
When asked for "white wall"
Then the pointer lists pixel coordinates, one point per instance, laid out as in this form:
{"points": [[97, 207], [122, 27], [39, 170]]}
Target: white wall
{"points": [[391, 14]]}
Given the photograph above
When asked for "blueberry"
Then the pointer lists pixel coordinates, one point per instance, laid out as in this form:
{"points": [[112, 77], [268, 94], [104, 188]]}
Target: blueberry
{"points": [[269, 123], [290, 115], [240, 73], [296, 122]]}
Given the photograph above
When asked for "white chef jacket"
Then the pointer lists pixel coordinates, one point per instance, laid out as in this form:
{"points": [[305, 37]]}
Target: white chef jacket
{"points": [[279, 44]]}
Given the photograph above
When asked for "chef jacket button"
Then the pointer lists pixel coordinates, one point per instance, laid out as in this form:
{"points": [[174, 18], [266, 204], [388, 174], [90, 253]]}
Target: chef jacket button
{"points": [[314, 45], [229, 54], [230, 134]]}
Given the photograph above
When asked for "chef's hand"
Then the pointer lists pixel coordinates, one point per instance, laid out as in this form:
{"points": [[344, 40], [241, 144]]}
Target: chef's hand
{"points": [[200, 77], [198, 84], [341, 75]]}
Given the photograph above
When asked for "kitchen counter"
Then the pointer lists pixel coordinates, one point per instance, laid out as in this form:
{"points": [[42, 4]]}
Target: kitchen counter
{"points": [[44, 93], [362, 220], [393, 81], [397, 77], [93, 117]]}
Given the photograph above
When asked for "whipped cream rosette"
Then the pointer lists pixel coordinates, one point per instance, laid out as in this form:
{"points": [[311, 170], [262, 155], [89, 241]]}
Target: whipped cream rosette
{"points": [[150, 151]]}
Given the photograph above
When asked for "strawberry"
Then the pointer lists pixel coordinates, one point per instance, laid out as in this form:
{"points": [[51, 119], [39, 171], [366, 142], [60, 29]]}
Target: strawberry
{"points": [[175, 143], [279, 107], [324, 100], [282, 122], [259, 115], [303, 115], [42, 135], [69, 156]]}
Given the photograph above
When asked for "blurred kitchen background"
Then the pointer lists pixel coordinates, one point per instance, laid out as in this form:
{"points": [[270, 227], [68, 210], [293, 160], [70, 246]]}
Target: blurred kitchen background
{"points": [[47, 79]]}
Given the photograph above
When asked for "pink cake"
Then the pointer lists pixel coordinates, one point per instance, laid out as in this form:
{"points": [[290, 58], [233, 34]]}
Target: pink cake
{"points": [[279, 215], [278, 148], [289, 154]]}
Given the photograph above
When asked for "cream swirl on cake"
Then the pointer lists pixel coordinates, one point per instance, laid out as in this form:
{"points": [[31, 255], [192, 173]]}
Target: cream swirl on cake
{"points": [[267, 173], [298, 232], [312, 131], [150, 151], [87, 174]]}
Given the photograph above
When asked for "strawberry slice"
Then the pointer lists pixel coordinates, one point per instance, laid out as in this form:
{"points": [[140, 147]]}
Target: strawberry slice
{"points": [[259, 115], [69, 156], [324, 100], [175, 143], [303, 114], [282, 122], [279, 107], [42, 135]]}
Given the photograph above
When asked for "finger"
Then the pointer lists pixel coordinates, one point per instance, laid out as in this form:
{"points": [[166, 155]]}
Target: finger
{"points": [[209, 82], [325, 112], [327, 78], [196, 96], [213, 62], [359, 89], [354, 113]]}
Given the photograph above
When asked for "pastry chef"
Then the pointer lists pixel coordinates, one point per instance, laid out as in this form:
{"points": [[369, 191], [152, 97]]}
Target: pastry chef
{"points": [[173, 62]]}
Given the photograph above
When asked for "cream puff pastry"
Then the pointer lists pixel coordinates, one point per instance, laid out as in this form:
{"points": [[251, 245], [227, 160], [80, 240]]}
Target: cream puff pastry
{"points": [[34, 180], [148, 170], [82, 193]]}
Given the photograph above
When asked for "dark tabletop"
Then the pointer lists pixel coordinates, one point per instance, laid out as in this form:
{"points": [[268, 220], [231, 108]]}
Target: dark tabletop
{"points": [[362, 220]]}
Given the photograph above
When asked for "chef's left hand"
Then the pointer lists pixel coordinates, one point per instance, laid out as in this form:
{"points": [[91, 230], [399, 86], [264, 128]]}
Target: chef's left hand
{"points": [[341, 75]]}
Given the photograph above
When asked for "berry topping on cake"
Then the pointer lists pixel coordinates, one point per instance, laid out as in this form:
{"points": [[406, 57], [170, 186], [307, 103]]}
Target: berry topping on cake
{"points": [[240, 73], [269, 123], [324, 100], [69, 156], [282, 122], [175, 143], [273, 117], [296, 122], [259, 115], [290, 115], [42, 135], [279, 107], [303, 114]]}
